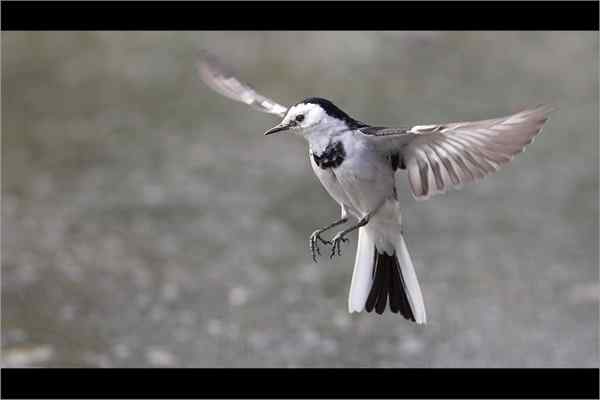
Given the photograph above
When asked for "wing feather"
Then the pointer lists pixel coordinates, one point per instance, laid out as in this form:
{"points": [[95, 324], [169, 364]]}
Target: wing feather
{"points": [[468, 151], [441, 156], [220, 79], [444, 157]]}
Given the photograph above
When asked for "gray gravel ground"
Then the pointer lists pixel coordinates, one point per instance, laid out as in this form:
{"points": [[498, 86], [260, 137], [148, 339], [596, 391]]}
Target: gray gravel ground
{"points": [[147, 222]]}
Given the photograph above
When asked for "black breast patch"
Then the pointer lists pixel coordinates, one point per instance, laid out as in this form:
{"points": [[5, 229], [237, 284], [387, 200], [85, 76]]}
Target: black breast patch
{"points": [[332, 157]]}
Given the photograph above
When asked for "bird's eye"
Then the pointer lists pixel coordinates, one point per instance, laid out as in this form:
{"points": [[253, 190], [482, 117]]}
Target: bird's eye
{"points": [[299, 117]]}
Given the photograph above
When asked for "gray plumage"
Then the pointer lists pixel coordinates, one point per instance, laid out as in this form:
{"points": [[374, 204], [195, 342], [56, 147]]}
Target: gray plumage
{"points": [[441, 156], [358, 165]]}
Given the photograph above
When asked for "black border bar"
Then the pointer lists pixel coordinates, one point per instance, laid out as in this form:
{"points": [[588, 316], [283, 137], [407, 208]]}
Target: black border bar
{"points": [[301, 383], [297, 15]]}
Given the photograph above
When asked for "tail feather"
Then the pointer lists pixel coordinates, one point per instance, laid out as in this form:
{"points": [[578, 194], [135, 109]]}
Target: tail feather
{"points": [[398, 302], [379, 276], [388, 282], [410, 282], [362, 275]]}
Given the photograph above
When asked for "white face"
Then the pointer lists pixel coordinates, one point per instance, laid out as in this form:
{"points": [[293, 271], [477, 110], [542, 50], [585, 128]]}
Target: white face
{"points": [[303, 116], [307, 119]]}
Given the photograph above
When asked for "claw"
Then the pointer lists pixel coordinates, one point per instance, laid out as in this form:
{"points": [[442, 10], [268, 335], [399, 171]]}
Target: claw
{"points": [[314, 245], [314, 249], [337, 245]]}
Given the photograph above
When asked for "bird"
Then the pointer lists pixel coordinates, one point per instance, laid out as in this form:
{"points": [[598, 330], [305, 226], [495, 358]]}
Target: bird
{"points": [[360, 166]]}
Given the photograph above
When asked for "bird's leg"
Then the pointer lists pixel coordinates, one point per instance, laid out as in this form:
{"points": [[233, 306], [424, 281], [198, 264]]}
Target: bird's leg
{"points": [[316, 237], [340, 238]]}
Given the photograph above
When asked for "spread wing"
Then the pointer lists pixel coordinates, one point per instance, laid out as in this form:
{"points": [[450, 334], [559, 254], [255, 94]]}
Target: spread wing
{"points": [[219, 78], [438, 157]]}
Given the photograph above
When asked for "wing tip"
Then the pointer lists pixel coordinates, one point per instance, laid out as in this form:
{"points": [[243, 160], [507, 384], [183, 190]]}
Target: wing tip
{"points": [[546, 108], [207, 57], [540, 112], [204, 59], [208, 68]]}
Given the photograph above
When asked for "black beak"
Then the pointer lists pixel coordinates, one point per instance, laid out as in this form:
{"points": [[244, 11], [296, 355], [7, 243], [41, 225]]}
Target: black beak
{"points": [[277, 128]]}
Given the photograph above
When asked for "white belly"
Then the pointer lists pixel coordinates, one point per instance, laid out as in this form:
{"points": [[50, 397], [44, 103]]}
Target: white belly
{"points": [[362, 182], [331, 183]]}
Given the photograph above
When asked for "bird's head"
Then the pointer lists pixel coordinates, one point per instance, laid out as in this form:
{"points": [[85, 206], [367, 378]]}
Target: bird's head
{"points": [[313, 115]]}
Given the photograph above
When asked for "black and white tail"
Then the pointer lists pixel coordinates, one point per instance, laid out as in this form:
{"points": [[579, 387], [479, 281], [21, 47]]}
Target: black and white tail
{"points": [[379, 276]]}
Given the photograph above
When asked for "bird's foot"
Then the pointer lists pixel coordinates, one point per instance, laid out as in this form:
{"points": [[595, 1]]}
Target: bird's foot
{"points": [[337, 244], [315, 238]]}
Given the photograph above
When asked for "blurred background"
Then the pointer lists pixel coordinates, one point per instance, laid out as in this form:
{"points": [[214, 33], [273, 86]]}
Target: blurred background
{"points": [[147, 221]]}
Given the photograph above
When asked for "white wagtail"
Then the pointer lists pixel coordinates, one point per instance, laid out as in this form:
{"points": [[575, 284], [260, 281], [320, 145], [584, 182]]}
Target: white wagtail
{"points": [[358, 164]]}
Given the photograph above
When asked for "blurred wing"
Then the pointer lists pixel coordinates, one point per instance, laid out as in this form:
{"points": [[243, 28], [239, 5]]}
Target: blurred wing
{"points": [[438, 157], [220, 79]]}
